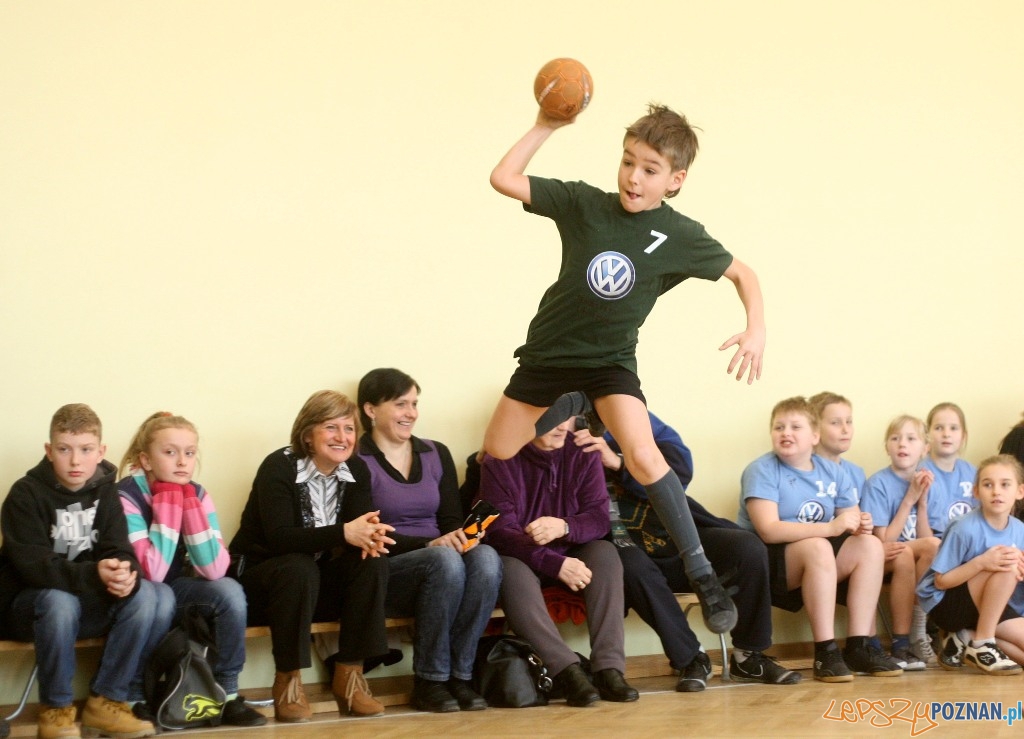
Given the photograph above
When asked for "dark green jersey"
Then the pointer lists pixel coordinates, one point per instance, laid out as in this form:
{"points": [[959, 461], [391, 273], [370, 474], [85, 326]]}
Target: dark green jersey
{"points": [[615, 264]]}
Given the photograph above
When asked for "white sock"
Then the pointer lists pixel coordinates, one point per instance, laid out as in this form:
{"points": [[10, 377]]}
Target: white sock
{"points": [[918, 625]]}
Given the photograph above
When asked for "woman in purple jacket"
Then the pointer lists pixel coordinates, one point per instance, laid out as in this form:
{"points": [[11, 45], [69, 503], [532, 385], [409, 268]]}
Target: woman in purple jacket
{"points": [[433, 574], [554, 515]]}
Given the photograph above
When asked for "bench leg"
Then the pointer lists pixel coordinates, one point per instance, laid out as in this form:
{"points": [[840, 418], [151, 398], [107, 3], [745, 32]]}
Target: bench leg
{"points": [[721, 641], [24, 695]]}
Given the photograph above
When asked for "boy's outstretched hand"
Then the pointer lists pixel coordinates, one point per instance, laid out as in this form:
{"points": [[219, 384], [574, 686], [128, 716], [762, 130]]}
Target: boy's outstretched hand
{"points": [[749, 352]]}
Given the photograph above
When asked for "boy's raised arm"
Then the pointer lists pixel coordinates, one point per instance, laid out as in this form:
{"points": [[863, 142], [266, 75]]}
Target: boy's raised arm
{"points": [[750, 343], [508, 176]]}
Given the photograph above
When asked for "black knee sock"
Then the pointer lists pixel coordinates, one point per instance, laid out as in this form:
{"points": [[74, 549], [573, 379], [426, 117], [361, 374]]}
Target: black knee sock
{"points": [[668, 498], [564, 408]]}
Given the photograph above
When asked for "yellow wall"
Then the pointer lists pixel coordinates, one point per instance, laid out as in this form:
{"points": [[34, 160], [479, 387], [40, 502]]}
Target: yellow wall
{"points": [[219, 207]]}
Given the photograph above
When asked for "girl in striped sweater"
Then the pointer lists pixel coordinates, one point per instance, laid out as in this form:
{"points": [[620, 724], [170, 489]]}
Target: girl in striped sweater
{"points": [[173, 527]]}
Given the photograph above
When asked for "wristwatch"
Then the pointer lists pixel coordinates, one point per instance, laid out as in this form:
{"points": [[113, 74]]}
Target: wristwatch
{"points": [[566, 534]]}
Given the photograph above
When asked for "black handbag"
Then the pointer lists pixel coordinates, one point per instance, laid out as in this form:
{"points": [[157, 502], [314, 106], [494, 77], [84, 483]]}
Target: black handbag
{"points": [[510, 674]]}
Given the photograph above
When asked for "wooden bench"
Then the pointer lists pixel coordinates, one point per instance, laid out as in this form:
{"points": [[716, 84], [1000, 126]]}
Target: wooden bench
{"points": [[687, 601]]}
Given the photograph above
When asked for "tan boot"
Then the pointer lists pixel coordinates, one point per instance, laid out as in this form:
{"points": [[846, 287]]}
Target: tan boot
{"points": [[56, 723], [290, 702], [352, 693], [113, 718]]}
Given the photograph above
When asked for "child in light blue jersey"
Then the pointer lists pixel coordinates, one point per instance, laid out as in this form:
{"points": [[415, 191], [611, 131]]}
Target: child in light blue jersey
{"points": [[950, 495], [972, 590], [897, 499], [835, 428], [804, 507]]}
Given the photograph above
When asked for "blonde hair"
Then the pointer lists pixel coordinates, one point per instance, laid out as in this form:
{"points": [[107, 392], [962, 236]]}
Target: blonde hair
{"points": [[321, 406], [144, 437], [897, 423], [75, 418], [796, 404]]}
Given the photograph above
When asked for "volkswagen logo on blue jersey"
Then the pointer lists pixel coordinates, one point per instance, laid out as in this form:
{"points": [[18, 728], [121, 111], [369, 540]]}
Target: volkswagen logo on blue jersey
{"points": [[958, 509], [810, 512], [611, 275]]}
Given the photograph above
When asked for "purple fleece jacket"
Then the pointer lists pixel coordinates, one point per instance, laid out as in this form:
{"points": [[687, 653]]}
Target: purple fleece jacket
{"points": [[566, 483]]}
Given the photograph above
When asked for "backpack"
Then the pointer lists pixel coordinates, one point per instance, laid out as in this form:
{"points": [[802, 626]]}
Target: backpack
{"points": [[180, 688]]}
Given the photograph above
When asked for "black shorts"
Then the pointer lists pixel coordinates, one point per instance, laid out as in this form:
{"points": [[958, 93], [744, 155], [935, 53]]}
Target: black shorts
{"points": [[541, 386], [793, 600], [957, 610]]}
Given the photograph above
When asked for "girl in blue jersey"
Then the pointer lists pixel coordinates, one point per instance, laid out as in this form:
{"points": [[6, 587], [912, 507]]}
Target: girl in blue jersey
{"points": [[972, 590], [950, 495], [897, 499], [803, 507]]}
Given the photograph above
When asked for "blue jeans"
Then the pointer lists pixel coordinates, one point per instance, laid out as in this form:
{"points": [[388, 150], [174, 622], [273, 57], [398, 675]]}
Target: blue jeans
{"points": [[55, 619], [451, 596], [222, 603]]}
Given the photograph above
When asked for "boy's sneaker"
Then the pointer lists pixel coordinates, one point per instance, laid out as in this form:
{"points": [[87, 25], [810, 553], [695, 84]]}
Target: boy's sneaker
{"points": [[922, 649], [905, 658], [990, 659], [715, 604], [113, 718], [760, 668], [830, 668], [951, 656], [237, 713], [56, 723], [694, 677], [869, 660]]}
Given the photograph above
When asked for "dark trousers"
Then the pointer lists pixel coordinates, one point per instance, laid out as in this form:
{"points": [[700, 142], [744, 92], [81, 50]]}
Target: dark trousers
{"points": [[650, 584], [291, 592]]}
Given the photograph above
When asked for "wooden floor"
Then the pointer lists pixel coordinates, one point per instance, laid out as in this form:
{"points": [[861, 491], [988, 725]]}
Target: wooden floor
{"points": [[809, 709]]}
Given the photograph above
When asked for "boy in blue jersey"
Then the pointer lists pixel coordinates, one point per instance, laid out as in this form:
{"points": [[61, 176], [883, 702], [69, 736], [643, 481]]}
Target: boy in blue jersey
{"points": [[972, 590], [804, 508], [620, 252]]}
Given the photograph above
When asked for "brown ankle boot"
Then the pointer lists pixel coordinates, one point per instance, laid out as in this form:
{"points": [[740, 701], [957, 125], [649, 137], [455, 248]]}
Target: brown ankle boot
{"points": [[352, 693], [290, 702]]}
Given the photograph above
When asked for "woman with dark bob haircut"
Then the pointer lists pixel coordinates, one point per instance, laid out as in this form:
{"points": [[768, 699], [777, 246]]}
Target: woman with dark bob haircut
{"points": [[450, 588], [312, 546]]}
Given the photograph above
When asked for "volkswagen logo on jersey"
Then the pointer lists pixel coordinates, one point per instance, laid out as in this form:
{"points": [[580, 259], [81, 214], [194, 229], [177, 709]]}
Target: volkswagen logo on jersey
{"points": [[810, 512], [910, 527], [958, 509], [611, 275]]}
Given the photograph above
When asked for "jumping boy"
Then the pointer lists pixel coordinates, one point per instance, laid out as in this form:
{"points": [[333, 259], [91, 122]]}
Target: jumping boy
{"points": [[65, 535], [620, 252]]}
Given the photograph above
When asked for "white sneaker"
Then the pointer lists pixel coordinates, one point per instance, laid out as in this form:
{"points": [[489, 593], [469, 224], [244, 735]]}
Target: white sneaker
{"points": [[989, 658]]}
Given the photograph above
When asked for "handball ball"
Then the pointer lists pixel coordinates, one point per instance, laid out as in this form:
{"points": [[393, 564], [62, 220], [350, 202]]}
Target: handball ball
{"points": [[563, 88]]}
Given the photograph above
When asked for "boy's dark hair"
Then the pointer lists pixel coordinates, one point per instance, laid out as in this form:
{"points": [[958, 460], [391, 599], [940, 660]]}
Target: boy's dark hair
{"points": [[380, 385], [76, 418], [669, 134], [823, 400]]}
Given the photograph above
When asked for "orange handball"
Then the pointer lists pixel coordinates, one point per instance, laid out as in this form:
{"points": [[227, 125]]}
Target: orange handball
{"points": [[563, 88]]}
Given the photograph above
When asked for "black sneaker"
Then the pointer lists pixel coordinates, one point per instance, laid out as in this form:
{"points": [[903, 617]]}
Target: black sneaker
{"points": [[469, 699], [432, 696], [238, 713], [830, 668], [760, 668], [141, 711], [694, 677], [870, 660], [715, 604], [951, 651]]}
